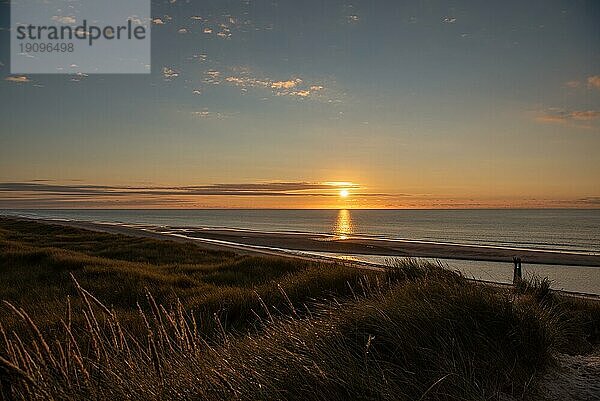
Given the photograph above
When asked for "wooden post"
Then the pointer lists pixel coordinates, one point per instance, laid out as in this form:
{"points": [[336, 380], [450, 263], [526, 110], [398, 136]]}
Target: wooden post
{"points": [[517, 271]]}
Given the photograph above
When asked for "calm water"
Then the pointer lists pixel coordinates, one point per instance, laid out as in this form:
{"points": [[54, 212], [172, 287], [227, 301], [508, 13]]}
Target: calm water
{"points": [[559, 230], [562, 230], [570, 278]]}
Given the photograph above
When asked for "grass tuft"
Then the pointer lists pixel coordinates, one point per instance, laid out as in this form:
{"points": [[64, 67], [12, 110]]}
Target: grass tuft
{"points": [[82, 321]]}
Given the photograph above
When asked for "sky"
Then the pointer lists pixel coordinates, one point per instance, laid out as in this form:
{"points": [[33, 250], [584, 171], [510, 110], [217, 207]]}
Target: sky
{"points": [[284, 104]]}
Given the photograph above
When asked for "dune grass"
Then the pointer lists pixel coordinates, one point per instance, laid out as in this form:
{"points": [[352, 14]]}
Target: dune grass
{"points": [[36, 262], [99, 316]]}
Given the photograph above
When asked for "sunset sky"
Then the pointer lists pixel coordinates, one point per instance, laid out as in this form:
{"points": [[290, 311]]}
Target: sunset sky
{"points": [[271, 103]]}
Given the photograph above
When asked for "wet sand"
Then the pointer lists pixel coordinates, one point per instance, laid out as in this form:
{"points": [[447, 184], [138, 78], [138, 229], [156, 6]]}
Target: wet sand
{"points": [[401, 248], [223, 239], [369, 253]]}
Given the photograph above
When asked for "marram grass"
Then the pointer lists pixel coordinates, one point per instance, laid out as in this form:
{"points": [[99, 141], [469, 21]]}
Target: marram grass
{"points": [[207, 328]]}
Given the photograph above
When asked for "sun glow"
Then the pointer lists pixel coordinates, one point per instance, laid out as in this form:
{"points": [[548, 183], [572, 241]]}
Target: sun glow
{"points": [[344, 193]]}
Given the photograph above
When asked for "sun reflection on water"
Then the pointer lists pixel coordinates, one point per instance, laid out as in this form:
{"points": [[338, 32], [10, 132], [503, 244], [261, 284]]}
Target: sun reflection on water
{"points": [[343, 226]]}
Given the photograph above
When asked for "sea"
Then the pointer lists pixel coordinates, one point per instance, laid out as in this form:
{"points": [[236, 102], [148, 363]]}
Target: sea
{"points": [[559, 230]]}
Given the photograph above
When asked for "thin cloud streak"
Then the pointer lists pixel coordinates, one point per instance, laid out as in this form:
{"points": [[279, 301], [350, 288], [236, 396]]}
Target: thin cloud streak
{"points": [[251, 189], [572, 117], [41, 194]]}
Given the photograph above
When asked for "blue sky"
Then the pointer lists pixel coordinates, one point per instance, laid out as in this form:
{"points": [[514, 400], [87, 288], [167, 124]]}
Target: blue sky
{"points": [[418, 103]]}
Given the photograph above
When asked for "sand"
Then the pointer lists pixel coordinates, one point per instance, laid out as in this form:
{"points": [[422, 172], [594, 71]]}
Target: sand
{"points": [[366, 246], [575, 378], [245, 241]]}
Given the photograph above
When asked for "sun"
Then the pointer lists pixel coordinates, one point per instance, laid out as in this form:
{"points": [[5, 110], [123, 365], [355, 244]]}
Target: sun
{"points": [[344, 193]]}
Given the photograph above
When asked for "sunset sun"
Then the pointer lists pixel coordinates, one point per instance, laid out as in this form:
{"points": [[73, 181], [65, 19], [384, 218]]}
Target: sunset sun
{"points": [[344, 193]]}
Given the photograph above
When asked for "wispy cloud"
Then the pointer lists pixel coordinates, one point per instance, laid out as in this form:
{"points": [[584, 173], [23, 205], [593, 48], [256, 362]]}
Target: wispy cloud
{"points": [[207, 114], [573, 84], [560, 116], [352, 19], [212, 77], [294, 86], [47, 194], [21, 79], [289, 84], [591, 200], [244, 189], [588, 115], [169, 73], [78, 77], [66, 19], [594, 82]]}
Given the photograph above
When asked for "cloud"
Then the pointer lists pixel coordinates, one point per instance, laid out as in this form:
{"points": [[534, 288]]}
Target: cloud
{"points": [[136, 20], [198, 57], [573, 84], [27, 189], [74, 194], [286, 84], [303, 93], [293, 87], [585, 115], [242, 81], [594, 82], [551, 118], [592, 200], [21, 79], [573, 118], [212, 77], [169, 73], [78, 77], [208, 114], [67, 20]]}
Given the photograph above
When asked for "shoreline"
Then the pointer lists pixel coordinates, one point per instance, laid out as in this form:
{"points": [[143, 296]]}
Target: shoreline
{"points": [[284, 244], [244, 249], [392, 248]]}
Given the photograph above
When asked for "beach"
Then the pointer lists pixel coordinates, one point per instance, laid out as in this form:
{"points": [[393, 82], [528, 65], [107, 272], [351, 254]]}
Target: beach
{"points": [[570, 272], [261, 242], [219, 309]]}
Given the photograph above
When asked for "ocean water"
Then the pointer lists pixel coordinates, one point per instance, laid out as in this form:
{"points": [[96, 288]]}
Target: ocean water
{"points": [[556, 229], [580, 279]]}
